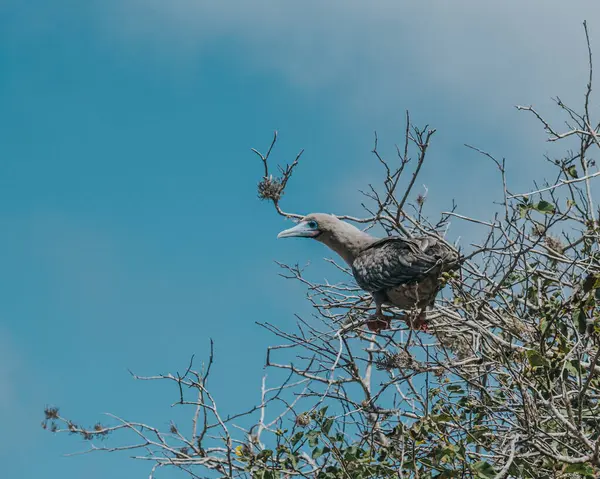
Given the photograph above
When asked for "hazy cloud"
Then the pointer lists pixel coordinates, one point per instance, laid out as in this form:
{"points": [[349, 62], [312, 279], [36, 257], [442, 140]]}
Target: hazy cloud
{"points": [[461, 65], [490, 54]]}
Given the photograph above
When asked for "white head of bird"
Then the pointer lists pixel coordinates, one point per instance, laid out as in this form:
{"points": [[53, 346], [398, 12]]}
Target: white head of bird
{"points": [[343, 238]]}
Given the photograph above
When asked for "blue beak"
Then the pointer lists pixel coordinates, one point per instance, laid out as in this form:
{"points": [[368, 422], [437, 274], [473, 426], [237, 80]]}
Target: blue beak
{"points": [[301, 230]]}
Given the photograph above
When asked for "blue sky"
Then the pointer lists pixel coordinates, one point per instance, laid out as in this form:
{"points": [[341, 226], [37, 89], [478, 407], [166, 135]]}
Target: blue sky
{"points": [[131, 229]]}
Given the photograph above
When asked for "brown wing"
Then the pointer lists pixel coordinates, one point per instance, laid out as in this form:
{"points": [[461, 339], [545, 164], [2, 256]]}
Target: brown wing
{"points": [[394, 261]]}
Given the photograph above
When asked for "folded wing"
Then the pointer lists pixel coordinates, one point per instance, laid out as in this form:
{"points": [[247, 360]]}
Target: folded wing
{"points": [[394, 261]]}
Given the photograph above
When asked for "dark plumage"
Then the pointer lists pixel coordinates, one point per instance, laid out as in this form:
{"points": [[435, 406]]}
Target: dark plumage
{"points": [[399, 271]]}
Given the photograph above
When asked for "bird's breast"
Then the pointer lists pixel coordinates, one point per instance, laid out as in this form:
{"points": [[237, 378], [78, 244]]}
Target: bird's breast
{"points": [[414, 295]]}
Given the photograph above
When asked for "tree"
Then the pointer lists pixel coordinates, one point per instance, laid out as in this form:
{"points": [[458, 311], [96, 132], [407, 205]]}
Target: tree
{"points": [[506, 383]]}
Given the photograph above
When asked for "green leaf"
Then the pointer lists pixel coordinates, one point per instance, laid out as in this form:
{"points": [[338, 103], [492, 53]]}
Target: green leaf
{"points": [[580, 320], [296, 437], [327, 425], [264, 454], [351, 453], [484, 469], [570, 367], [545, 207], [455, 388], [442, 417], [319, 451], [590, 282], [523, 209], [447, 452], [281, 449], [536, 359], [313, 438], [583, 469]]}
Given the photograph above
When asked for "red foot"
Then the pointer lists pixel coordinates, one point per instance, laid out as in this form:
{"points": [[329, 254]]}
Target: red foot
{"points": [[378, 324], [420, 323]]}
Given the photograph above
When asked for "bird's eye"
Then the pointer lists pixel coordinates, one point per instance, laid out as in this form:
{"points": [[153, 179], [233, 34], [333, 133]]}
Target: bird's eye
{"points": [[312, 225]]}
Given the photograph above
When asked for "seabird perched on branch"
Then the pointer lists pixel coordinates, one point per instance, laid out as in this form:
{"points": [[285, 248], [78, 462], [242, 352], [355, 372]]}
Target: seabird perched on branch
{"points": [[404, 272]]}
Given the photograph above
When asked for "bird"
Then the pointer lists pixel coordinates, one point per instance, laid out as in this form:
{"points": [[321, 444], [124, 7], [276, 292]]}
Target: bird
{"points": [[403, 272]]}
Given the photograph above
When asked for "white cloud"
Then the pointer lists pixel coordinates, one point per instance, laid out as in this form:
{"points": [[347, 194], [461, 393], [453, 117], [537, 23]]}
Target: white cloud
{"points": [[461, 65], [373, 53]]}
